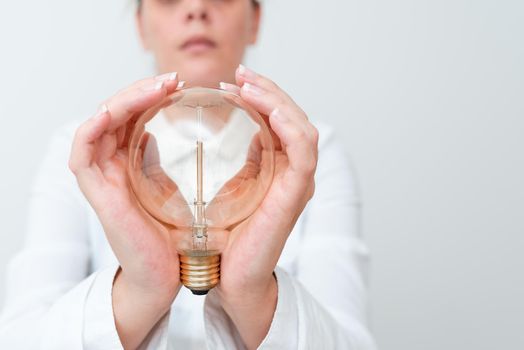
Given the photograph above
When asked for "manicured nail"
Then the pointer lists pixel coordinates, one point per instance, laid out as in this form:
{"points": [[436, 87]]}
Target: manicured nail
{"points": [[229, 87], [181, 84], [252, 89], [154, 87], [278, 115], [167, 77], [101, 111], [246, 72]]}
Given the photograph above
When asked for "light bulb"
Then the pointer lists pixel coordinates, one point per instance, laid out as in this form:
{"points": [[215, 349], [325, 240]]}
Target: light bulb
{"points": [[200, 162]]}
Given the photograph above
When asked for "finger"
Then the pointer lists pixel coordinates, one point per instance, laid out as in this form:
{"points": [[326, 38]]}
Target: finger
{"points": [[83, 148], [170, 80], [301, 148], [230, 87], [124, 132], [120, 135], [163, 190], [298, 136], [124, 105], [288, 121], [265, 96], [106, 147], [244, 75], [247, 78], [276, 140], [139, 97], [236, 90], [181, 85], [235, 186]]}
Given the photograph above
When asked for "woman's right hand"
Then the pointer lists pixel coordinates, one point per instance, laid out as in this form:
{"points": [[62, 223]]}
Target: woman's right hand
{"points": [[148, 280]]}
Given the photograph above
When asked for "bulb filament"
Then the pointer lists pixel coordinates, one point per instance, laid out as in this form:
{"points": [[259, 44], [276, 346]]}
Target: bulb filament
{"points": [[199, 224]]}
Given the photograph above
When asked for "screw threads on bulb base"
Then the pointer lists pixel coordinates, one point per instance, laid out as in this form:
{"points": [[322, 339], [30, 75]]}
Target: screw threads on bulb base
{"points": [[200, 271]]}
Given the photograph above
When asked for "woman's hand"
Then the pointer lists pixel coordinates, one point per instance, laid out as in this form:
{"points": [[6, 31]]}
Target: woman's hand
{"points": [[148, 280], [247, 287]]}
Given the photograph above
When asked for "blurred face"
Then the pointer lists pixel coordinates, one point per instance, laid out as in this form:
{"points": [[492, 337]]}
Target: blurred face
{"points": [[203, 40]]}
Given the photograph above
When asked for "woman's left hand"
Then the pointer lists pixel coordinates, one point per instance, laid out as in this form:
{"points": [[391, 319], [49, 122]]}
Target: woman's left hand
{"points": [[248, 289]]}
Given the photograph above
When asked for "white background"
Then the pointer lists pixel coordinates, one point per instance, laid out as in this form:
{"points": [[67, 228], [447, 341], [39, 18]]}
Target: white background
{"points": [[427, 95]]}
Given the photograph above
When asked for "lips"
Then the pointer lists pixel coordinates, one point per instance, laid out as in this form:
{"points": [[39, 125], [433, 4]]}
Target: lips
{"points": [[198, 44]]}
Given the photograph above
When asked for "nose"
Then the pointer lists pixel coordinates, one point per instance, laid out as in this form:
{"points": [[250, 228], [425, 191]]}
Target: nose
{"points": [[196, 10]]}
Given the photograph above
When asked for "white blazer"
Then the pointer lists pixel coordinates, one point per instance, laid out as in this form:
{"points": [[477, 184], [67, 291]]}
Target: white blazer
{"points": [[58, 287]]}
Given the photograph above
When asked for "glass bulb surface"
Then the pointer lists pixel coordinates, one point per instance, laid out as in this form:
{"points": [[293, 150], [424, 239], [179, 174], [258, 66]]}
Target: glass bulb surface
{"points": [[200, 162]]}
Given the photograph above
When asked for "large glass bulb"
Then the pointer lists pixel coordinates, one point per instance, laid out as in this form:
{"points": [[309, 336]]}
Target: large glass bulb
{"points": [[200, 162]]}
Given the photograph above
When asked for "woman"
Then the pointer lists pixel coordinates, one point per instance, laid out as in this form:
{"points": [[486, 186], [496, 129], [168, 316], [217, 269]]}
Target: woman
{"points": [[98, 273]]}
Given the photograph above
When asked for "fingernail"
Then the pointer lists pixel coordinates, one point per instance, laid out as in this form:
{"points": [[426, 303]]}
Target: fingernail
{"points": [[241, 69], [168, 76], [229, 87], [181, 84], [276, 114], [246, 72], [101, 111], [154, 87], [252, 89]]}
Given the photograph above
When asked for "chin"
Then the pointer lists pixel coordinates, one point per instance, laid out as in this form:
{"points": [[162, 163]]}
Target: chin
{"points": [[204, 72]]}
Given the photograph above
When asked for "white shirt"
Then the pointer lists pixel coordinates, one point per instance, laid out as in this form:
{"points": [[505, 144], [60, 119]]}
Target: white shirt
{"points": [[58, 287]]}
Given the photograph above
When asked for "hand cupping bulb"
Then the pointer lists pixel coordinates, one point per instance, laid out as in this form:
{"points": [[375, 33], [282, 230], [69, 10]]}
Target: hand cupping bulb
{"points": [[200, 162]]}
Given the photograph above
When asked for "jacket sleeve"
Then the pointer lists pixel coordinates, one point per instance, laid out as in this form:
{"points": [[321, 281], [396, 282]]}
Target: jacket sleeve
{"points": [[53, 301], [322, 303]]}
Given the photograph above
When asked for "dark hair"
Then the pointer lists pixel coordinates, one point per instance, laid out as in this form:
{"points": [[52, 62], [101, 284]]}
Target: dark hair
{"points": [[254, 2]]}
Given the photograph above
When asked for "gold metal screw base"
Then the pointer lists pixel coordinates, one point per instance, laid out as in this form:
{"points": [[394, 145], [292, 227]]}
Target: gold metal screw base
{"points": [[200, 271]]}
